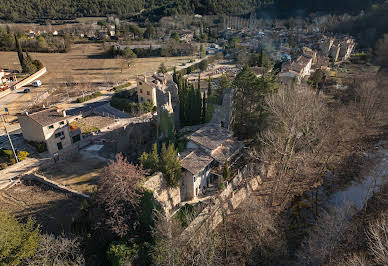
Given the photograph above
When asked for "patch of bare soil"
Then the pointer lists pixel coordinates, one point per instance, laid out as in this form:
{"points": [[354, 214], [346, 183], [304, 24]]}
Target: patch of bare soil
{"points": [[80, 173], [52, 209]]}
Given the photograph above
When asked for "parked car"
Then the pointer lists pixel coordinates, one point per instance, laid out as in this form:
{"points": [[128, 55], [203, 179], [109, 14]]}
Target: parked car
{"points": [[37, 83], [27, 90]]}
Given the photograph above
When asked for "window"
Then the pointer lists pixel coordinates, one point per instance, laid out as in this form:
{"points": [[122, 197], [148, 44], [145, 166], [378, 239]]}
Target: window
{"points": [[140, 83], [61, 123], [51, 126], [59, 145], [142, 99], [60, 135], [76, 138], [149, 100], [148, 93], [194, 178]]}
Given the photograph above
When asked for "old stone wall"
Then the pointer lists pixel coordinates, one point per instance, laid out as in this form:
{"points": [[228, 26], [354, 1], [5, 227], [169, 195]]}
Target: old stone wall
{"points": [[167, 197], [227, 201]]}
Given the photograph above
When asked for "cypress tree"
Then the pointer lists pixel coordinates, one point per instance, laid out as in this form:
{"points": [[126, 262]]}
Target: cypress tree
{"points": [[29, 64], [198, 106], [209, 87], [20, 53], [204, 103]]}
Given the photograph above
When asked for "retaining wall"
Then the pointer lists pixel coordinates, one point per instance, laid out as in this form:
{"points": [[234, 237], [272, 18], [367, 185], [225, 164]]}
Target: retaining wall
{"points": [[167, 197], [44, 180], [29, 79], [227, 201]]}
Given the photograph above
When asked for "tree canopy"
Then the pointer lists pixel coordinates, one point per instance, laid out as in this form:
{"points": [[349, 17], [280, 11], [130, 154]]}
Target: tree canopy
{"points": [[18, 241], [27, 10]]}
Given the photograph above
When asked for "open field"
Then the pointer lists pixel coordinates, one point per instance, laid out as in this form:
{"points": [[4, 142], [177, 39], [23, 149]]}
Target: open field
{"points": [[52, 209], [79, 174], [81, 65]]}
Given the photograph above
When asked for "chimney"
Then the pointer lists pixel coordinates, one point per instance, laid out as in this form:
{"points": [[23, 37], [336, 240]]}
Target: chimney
{"points": [[64, 113], [26, 113]]}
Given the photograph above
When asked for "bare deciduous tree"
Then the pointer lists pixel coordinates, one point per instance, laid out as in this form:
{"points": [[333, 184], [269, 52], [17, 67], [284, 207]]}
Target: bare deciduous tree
{"points": [[57, 251], [253, 236], [173, 249], [119, 194], [368, 100], [378, 239], [319, 246], [297, 131]]}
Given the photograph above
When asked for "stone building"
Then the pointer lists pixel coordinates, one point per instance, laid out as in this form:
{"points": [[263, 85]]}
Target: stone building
{"points": [[206, 153], [50, 126]]}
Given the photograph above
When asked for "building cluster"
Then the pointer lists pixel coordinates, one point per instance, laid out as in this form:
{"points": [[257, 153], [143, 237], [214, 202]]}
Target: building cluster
{"points": [[7, 78], [327, 49]]}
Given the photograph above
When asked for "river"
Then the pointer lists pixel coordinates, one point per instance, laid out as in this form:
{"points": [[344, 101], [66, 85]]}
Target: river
{"points": [[306, 211]]}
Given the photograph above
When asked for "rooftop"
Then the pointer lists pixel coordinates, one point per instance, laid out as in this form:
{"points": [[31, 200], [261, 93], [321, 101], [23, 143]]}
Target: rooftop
{"points": [[47, 117], [195, 161], [211, 136], [228, 149]]}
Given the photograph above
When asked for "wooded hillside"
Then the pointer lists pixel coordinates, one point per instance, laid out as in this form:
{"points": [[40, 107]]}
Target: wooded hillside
{"points": [[27, 10]]}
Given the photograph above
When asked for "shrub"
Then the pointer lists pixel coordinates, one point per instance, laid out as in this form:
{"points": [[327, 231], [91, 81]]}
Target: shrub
{"points": [[8, 156], [22, 155], [120, 253], [39, 146], [89, 97], [121, 87]]}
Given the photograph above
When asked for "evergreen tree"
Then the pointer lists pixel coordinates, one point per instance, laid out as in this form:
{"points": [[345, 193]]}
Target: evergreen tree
{"points": [[248, 103], [170, 165], [18, 241], [197, 107], [202, 51], [204, 106], [150, 31], [20, 53], [29, 64], [209, 87], [150, 161], [162, 68]]}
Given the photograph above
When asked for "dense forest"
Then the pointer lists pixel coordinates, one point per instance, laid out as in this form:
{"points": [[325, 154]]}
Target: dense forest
{"points": [[23, 10]]}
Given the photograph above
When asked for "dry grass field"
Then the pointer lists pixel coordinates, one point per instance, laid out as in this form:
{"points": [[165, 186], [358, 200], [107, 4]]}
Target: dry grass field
{"points": [[83, 65]]}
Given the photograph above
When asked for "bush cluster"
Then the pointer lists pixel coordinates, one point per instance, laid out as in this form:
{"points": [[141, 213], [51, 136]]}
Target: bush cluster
{"points": [[89, 97]]}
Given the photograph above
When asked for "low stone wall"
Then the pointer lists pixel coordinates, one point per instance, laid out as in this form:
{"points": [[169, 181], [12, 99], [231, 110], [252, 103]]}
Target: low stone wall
{"points": [[168, 198], [44, 180], [227, 201]]}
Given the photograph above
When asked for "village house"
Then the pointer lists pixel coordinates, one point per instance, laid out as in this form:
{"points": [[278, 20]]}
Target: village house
{"points": [[146, 89], [206, 153], [6, 78], [50, 126]]}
